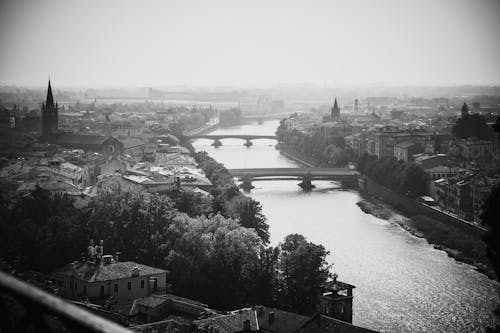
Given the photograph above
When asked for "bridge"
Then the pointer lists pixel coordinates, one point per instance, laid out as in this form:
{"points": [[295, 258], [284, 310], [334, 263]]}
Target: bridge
{"points": [[217, 137], [346, 176]]}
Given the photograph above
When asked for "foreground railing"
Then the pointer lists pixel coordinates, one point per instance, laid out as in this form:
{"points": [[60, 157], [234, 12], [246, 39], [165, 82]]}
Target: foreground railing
{"points": [[25, 308]]}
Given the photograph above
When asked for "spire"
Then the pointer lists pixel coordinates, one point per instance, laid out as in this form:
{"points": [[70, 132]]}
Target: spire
{"points": [[50, 99], [335, 111], [465, 110]]}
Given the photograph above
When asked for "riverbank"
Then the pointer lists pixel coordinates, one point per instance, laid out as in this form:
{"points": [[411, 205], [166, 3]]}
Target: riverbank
{"points": [[462, 246], [459, 241], [300, 158], [203, 129]]}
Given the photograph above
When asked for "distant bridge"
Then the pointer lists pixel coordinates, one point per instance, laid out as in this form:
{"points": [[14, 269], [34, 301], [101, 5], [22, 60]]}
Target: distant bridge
{"points": [[343, 175], [231, 136], [217, 137]]}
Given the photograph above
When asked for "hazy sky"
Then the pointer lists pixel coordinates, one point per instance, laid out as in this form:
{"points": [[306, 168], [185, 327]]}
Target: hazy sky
{"points": [[153, 43]]}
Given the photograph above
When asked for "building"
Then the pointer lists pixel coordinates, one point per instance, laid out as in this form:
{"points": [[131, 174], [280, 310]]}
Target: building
{"points": [[356, 105], [104, 276], [159, 307], [406, 149], [430, 161], [480, 189], [357, 142], [386, 138], [453, 195], [465, 110], [243, 320], [331, 130], [335, 112], [106, 145], [50, 116], [472, 149], [272, 320], [443, 171], [336, 300]]}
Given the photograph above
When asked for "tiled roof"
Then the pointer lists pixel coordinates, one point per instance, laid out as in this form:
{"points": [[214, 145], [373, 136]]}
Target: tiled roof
{"points": [[337, 285], [324, 324], [229, 323], [113, 271], [282, 322]]}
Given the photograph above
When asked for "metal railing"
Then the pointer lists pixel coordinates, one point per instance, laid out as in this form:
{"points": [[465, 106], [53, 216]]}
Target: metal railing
{"points": [[25, 308]]}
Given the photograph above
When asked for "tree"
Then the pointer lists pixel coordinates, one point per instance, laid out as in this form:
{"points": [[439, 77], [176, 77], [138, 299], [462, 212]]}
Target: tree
{"points": [[490, 219], [303, 270], [413, 181], [249, 214], [472, 126], [133, 223], [192, 203], [211, 259], [42, 231]]}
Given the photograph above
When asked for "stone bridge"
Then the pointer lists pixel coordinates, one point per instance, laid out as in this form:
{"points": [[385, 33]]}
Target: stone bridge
{"points": [[217, 137], [343, 175]]}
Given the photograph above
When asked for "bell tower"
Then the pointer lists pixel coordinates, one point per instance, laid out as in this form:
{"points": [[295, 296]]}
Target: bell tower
{"points": [[335, 115], [50, 115], [465, 110]]}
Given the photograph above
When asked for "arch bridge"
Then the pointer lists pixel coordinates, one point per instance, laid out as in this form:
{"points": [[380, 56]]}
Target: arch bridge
{"points": [[346, 176], [217, 137]]}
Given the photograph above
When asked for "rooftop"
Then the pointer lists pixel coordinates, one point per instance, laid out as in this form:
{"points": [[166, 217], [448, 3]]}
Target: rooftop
{"points": [[230, 323], [406, 144], [80, 139], [337, 285], [321, 323], [106, 272]]}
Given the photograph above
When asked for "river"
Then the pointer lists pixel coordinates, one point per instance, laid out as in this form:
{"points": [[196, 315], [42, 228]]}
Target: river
{"points": [[402, 283]]}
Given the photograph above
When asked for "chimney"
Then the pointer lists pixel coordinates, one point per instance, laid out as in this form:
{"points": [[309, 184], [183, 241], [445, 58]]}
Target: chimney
{"points": [[117, 256], [271, 317], [246, 326], [107, 259], [335, 276], [135, 271]]}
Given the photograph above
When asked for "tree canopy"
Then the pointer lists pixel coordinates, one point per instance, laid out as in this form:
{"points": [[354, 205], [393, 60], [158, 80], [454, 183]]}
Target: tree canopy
{"points": [[472, 126]]}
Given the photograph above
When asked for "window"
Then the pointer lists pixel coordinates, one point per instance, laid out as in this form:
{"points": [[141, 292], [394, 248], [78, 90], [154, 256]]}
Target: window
{"points": [[102, 291], [129, 285], [84, 290], [115, 288], [142, 284], [76, 287]]}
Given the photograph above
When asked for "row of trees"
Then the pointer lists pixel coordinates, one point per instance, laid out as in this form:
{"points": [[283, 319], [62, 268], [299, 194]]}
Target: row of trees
{"points": [[325, 150], [210, 258], [229, 201], [230, 117], [402, 177]]}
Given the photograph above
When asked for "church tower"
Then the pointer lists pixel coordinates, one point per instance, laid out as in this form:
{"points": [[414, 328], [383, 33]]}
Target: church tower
{"points": [[465, 110], [335, 111], [50, 115]]}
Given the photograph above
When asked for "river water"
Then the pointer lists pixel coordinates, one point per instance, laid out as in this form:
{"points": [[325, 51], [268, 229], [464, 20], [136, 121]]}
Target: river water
{"points": [[402, 283]]}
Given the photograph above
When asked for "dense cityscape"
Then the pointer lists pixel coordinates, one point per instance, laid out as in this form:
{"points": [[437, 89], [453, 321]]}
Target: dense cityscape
{"points": [[246, 207]]}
